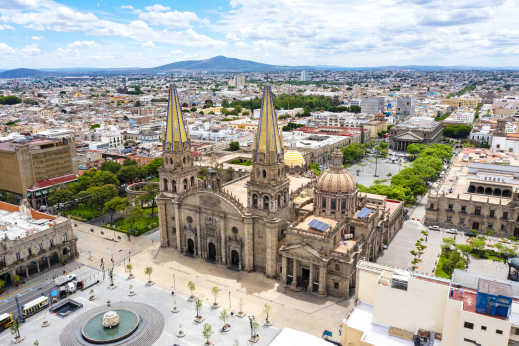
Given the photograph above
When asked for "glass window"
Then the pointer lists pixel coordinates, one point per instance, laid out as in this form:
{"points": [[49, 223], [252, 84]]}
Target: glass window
{"points": [[468, 325]]}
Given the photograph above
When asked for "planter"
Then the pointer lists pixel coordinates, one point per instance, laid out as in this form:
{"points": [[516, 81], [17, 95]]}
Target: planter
{"points": [[175, 309], [241, 314], [215, 306], [208, 343], [131, 294], [268, 323], [45, 323], [180, 334], [18, 340], [254, 338], [131, 276], [150, 283], [226, 328], [191, 298], [199, 319], [92, 298]]}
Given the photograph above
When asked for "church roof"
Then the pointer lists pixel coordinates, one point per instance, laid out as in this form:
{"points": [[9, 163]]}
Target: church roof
{"points": [[177, 135], [268, 138]]}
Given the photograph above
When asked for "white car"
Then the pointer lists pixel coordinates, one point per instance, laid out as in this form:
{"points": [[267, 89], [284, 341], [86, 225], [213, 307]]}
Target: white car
{"points": [[452, 231], [434, 228]]}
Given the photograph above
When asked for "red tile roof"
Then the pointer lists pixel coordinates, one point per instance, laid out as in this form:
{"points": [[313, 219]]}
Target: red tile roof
{"points": [[53, 181]]}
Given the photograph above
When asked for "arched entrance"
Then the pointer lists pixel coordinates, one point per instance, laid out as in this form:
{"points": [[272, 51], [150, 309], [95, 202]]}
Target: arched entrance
{"points": [[235, 260], [211, 252], [190, 247]]}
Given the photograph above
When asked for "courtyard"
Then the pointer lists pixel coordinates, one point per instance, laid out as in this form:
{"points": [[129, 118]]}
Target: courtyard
{"points": [[364, 171]]}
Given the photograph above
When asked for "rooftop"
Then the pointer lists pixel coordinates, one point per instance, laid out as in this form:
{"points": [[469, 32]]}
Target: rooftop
{"points": [[19, 222]]}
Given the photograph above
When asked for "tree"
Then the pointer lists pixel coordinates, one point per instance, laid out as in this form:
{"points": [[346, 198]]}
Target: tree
{"points": [[215, 290], [191, 286], [207, 332], [60, 195], [114, 205], [15, 329], [129, 162], [2, 284], [457, 131], [382, 148], [234, 146], [224, 316], [135, 215], [148, 271], [198, 306], [112, 166], [315, 168], [415, 148], [150, 192], [128, 173], [9, 100], [353, 152], [152, 168], [129, 268], [99, 195], [266, 310]]}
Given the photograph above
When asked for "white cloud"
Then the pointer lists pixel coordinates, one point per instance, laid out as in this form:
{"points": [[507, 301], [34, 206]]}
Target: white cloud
{"points": [[31, 49], [158, 15], [6, 27], [156, 8], [148, 44], [77, 44], [127, 7], [5, 49], [36, 38]]}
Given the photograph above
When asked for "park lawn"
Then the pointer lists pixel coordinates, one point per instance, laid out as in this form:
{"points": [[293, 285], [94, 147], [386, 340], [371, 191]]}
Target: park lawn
{"points": [[141, 226], [84, 212], [448, 261]]}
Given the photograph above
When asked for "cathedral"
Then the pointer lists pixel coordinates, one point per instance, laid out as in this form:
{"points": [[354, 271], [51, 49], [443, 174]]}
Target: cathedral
{"points": [[308, 233]]}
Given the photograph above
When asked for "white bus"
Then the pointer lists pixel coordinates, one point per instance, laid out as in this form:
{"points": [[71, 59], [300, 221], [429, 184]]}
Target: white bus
{"points": [[35, 306]]}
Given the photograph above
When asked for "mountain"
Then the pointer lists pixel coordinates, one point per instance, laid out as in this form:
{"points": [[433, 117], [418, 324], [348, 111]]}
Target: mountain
{"points": [[220, 64], [25, 73]]}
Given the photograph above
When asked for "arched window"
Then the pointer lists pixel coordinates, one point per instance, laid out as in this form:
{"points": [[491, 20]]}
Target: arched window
{"points": [[279, 201], [234, 231], [480, 189], [174, 186], [497, 192], [192, 181], [185, 184], [488, 191], [266, 202], [184, 160], [264, 173], [165, 184], [189, 219], [254, 201]]}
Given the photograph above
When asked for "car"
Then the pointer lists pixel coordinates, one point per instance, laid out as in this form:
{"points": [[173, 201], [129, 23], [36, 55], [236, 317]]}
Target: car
{"points": [[470, 234], [452, 231], [384, 246], [434, 228]]}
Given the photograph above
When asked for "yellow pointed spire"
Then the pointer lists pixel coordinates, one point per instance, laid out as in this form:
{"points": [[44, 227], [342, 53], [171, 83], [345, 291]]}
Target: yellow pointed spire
{"points": [[268, 146], [176, 138]]}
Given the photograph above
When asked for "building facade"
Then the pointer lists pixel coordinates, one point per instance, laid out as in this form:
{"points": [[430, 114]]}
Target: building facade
{"points": [[422, 130], [32, 241], [251, 224]]}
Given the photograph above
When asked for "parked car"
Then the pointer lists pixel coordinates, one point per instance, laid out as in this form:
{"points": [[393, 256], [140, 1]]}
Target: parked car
{"points": [[434, 228], [452, 231], [469, 234]]}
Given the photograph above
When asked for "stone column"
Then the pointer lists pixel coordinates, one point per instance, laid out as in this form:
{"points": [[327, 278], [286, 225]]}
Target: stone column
{"points": [[48, 262], [223, 257], [178, 228], [38, 265], [284, 270], [248, 254], [322, 279], [27, 271], [271, 246], [12, 274], [294, 273], [310, 277], [198, 234]]}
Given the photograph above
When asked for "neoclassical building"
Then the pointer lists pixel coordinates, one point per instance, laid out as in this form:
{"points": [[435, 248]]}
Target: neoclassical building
{"points": [[252, 224]]}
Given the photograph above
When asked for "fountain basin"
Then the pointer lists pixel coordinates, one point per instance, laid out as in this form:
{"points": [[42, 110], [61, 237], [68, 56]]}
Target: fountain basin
{"points": [[93, 330]]}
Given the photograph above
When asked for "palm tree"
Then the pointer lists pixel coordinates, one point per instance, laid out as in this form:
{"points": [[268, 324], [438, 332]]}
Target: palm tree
{"points": [[207, 332], [215, 290], [255, 326], [148, 271], [15, 329], [150, 192], [191, 286]]}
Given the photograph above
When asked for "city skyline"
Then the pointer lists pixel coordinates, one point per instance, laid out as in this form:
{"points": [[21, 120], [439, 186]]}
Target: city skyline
{"points": [[53, 34]]}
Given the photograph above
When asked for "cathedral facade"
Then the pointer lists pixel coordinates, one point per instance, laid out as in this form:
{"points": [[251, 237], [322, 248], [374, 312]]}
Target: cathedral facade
{"points": [[253, 224]]}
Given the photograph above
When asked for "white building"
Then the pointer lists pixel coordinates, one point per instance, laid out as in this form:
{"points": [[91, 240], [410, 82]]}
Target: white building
{"points": [[372, 105], [406, 105], [304, 76]]}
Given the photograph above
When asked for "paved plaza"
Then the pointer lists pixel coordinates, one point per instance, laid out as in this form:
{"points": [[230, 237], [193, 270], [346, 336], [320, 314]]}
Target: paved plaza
{"points": [[384, 166]]}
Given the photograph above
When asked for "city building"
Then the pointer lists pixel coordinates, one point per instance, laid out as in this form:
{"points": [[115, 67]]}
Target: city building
{"points": [[405, 105], [304, 76], [32, 241], [457, 102], [252, 224], [372, 105], [414, 130], [398, 307], [31, 166]]}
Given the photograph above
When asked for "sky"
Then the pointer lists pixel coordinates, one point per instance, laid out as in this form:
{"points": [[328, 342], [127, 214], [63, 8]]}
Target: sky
{"points": [[138, 33]]}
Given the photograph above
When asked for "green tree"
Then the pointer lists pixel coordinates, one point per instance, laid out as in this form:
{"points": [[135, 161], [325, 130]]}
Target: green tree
{"points": [[315, 168], [9, 100], [114, 205], [128, 173], [134, 216], [207, 332], [60, 195], [150, 192], [112, 166], [148, 271], [152, 168], [353, 152], [234, 146], [191, 286], [129, 162], [99, 195]]}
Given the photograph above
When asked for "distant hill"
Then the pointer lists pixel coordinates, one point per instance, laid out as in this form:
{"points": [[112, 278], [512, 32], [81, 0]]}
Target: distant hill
{"points": [[25, 73], [220, 64]]}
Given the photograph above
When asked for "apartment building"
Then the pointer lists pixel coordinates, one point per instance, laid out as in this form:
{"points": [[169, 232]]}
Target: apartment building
{"points": [[398, 307], [457, 102]]}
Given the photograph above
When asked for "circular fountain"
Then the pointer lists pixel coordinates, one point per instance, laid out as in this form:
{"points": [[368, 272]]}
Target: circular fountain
{"points": [[110, 326]]}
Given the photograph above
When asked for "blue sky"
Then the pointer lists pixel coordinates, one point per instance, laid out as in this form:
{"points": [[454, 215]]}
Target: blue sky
{"points": [[113, 33]]}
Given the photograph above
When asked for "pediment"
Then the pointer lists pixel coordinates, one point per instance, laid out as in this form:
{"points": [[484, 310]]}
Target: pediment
{"points": [[409, 136], [301, 251]]}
